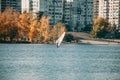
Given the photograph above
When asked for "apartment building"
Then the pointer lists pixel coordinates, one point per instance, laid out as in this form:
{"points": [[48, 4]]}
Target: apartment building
{"points": [[96, 8], [82, 14], [55, 11], [16, 4], [75, 13], [67, 12], [110, 9], [31, 6]]}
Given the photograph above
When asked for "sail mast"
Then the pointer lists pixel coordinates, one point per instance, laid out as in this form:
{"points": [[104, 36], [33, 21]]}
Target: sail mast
{"points": [[60, 39]]}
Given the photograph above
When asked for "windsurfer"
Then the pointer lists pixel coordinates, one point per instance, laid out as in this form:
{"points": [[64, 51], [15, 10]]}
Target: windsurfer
{"points": [[57, 44], [59, 40]]}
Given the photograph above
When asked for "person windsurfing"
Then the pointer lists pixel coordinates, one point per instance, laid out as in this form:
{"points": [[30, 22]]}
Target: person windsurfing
{"points": [[57, 45]]}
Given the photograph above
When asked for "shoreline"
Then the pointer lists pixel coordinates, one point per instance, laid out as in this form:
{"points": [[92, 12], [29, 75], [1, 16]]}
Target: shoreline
{"points": [[92, 42], [99, 42]]}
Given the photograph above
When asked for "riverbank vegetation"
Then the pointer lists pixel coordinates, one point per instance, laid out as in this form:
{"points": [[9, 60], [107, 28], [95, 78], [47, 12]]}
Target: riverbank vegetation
{"points": [[27, 28], [16, 27], [103, 29]]}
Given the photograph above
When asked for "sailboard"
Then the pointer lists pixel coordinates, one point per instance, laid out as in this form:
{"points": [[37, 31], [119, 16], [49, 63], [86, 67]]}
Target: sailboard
{"points": [[59, 40]]}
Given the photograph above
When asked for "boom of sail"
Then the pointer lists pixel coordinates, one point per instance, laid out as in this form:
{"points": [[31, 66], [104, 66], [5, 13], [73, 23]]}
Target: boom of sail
{"points": [[60, 39]]}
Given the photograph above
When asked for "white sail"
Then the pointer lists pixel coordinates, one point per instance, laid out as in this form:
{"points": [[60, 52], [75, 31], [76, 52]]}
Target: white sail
{"points": [[60, 39]]}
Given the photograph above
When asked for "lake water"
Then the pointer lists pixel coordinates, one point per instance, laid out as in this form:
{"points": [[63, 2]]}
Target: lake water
{"points": [[68, 62]]}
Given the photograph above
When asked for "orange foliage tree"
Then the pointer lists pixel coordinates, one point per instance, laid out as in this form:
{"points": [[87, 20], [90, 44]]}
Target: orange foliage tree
{"points": [[100, 28], [57, 31], [8, 24], [44, 29], [24, 23], [34, 30], [25, 26]]}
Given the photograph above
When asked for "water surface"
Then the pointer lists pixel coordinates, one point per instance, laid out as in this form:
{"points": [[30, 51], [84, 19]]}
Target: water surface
{"points": [[69, 62]]}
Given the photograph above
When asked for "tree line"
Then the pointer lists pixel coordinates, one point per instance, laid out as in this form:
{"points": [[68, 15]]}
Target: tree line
{"points": [[103, 29], [26, 27]]}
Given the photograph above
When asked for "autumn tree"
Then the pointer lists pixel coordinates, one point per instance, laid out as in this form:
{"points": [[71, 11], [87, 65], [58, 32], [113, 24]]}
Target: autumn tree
{"points": [[8, 23], [44, 29], [25, 20], [100, 28], [57, 30], [26, 26], [34, 30], [1, 28]]}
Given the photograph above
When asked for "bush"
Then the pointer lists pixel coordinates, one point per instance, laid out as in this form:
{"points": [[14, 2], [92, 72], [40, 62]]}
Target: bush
{"points": [[117, 35], [100, 28], [68, 38], [87, 28]]}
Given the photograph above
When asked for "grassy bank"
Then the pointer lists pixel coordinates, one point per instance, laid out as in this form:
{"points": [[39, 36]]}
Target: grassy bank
{"points": [[86, 38]]}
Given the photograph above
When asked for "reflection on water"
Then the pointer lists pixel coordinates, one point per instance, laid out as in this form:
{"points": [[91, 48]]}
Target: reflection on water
{"points": [[69, 62]]}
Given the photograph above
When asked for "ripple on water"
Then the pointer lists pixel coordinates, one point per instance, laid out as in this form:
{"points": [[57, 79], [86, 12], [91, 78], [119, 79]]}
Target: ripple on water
{"points": [[69, 62]]}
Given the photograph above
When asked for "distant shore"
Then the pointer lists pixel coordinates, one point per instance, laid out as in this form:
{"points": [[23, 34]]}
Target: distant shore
{"points": [[100, 42], [86, 38], [15, 42], [80, 41], [79, 37]]}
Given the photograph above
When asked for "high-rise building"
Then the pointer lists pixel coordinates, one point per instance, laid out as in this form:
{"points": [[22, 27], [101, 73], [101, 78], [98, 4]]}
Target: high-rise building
{"points": [[44, 5], [67, 12], [16, 4], [31, 6], [110, 9], [37, 7], [59, 11], [96, 8], [75, 13], [55, 11], [82, 14]]}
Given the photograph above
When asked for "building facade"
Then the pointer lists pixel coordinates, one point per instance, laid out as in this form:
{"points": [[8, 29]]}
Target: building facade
{"points": [[59, 11], [31, 6], [110, 9], [67, 12], [82, 14], [15, 4], [77, 14], [96, 8], [55, 11]]}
